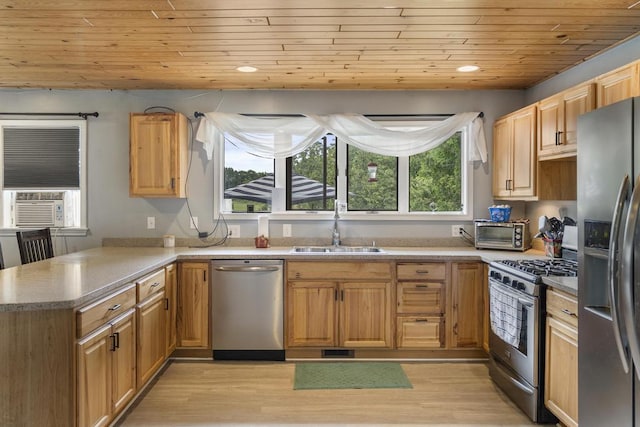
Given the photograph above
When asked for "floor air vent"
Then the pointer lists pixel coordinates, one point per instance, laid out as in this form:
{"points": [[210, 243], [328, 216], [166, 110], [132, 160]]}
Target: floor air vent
{"points": [[338, 353]]}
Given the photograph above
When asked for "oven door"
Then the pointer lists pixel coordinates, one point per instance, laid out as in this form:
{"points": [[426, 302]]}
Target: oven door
{"points": [[523, 358]]}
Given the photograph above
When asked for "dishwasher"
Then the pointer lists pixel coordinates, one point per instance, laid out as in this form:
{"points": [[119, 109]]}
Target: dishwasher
{"points": [[247, 310]]}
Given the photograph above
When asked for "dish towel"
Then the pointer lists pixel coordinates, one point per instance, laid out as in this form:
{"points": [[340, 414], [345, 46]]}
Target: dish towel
{"points": [[505, 315]]}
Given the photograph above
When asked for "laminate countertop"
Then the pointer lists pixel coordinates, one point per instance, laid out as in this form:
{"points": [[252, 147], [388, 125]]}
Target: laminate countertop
{"points": [[71, 280]]}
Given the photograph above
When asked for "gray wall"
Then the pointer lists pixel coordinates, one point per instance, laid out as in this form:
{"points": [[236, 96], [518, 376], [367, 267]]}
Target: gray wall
{"points": [[113, 214]]}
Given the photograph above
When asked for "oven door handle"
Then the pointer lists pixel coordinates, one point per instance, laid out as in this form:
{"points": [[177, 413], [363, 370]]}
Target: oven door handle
{"points": [[505, 290], [613, 265], [627, 281]]}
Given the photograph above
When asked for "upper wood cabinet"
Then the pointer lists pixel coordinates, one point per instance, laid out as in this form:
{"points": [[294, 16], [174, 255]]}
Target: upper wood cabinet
{"points": [[619, 84], [158, 154], [514, 155], [558, 121]]}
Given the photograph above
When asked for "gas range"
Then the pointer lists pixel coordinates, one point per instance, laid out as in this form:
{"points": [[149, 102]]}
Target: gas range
{"points": [[526, 275], [534, 269]]}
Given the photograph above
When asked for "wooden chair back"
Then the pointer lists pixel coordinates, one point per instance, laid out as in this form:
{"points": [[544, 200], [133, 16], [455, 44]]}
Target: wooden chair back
{"points": [[34, 245]]}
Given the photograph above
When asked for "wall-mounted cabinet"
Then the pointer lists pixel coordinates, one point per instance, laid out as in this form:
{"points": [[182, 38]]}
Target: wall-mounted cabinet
{"points": [[619, 84], [158, 154], [558, 121], [514, 155]]}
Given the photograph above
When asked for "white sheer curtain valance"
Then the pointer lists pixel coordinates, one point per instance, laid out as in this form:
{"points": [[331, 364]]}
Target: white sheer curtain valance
{"points": [[282, 137]]}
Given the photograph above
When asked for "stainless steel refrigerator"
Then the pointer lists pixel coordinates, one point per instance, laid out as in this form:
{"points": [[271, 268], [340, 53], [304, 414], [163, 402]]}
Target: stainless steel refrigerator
{"points": [[609, 279]]}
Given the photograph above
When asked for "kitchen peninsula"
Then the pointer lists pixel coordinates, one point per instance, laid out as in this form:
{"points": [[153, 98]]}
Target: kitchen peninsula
{"points": [[40, 324]]}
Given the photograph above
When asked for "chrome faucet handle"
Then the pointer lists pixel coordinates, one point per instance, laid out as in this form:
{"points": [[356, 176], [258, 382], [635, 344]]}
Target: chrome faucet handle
{"points": [[373, 244]]}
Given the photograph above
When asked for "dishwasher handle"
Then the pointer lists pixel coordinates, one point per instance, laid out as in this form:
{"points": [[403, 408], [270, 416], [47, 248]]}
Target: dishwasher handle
{"points": [[244, 268]]}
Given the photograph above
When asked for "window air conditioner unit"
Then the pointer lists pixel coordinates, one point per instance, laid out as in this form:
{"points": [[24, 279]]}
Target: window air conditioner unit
{"points": [[39, 213]]}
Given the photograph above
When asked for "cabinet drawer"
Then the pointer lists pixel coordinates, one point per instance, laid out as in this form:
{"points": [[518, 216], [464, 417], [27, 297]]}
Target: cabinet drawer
{"points": [[338, 270], [100, 312], [562, 306], [420, 297], [420, 332], [422, 271], [150, 284]]}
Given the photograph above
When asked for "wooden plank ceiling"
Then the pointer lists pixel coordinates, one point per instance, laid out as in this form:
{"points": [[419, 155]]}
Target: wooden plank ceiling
{"points": [[329, 44]]}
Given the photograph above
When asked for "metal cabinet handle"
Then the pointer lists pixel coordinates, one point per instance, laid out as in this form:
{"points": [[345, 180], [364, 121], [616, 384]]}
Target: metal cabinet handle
{"points": [[115, 307], [166, 304], [569, 313], [154, 284], [113, 342], [422, 271], [245, 269]]}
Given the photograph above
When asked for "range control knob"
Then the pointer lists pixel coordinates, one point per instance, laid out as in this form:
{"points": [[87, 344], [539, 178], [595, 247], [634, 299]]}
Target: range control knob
{"points": [[506, 280], [521, 286], [514, 284]]}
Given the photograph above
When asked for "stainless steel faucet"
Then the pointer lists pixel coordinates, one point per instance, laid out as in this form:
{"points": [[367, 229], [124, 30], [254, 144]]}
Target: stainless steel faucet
{"points": [[336, 233]]}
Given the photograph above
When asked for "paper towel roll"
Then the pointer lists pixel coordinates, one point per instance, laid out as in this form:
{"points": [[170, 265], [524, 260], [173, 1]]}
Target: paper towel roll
{"points": [[263, 226]]}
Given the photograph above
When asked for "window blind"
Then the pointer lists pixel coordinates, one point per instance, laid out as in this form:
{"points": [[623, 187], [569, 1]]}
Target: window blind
{"points": [[41, 157]]}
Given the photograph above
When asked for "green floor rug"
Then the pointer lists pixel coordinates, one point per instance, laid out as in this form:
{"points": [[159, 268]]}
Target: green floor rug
{"points": [[333, 375]]}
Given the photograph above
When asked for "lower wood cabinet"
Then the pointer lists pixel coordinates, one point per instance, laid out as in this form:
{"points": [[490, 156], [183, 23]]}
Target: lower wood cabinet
{"points": [[466, 307], [193, 305], [171, 306], [561, 367], [419, 332], [420, 305], [352, 310], [151, 336], [106, 374]]}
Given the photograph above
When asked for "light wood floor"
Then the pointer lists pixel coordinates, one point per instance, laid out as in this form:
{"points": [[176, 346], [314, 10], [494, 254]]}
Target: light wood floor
{"points": [[261, 393]]}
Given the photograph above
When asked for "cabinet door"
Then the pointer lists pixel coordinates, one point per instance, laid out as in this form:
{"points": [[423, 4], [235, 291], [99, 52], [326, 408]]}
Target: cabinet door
{"points": [[524, 153], [550, 124], [365, 315], [193, 305], [158, 145], [501, 158], [171, 306], [124, 361], [311, 314], [466, 305], [420, 332], [94, 378], [420, 297], [151, 336], [576, 101], [561, 371], [618, 85]]}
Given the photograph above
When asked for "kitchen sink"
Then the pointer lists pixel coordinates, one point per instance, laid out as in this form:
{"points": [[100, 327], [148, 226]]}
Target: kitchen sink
{"points": [[341, 249]]}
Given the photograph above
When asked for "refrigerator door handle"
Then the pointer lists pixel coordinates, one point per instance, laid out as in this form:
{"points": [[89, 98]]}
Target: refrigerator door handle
{"points": [[627, 303], [612, 272]]}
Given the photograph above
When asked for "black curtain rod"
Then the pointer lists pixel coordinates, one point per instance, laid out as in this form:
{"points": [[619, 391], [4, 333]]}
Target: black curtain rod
{"points": [[83, 115], [198, 114]]}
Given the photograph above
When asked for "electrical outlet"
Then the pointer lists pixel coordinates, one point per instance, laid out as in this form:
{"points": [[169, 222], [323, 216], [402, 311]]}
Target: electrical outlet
{"points": [[286, 230], [194, 223], [151, 222], [456, 230], [234, 231]]}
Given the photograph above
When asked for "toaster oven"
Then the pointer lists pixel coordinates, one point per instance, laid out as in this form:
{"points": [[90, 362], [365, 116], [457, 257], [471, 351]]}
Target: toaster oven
{"points": [[513, 236]]}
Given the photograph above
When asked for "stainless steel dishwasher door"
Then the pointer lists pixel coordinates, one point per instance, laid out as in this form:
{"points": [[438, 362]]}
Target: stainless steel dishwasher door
{"points": [[247, 309]]}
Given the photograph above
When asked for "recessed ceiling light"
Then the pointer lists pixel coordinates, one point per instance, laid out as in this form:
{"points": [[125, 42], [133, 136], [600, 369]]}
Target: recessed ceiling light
{"points": [[468, 68], [247, 69]]}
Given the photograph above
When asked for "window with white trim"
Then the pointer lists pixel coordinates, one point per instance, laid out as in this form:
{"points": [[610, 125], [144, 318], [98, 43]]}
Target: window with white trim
{"points": [[431, 185], [43, 173]]}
